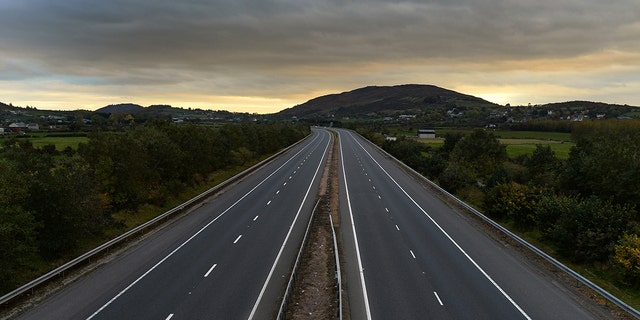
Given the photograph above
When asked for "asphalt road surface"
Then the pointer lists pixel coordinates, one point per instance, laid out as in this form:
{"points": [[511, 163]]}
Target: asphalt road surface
{"points": [[226, 260], [411, 256], [408, 255]]}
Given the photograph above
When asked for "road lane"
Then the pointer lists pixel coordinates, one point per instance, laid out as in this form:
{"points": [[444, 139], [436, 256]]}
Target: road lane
{"points": [[421, 259], [212, 263]]}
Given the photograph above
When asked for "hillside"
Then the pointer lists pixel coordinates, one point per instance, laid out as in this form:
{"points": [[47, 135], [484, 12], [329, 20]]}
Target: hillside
{"points": [[122, 108], [383, 100]]}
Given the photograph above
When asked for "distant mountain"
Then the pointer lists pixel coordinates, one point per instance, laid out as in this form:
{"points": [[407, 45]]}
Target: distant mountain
{"points": [[384, 100], [129, 108], [584, 104]]}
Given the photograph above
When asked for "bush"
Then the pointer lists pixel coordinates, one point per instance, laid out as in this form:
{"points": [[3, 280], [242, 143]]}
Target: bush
{"points": [[588, 230], [627, 258], [514, 201]]}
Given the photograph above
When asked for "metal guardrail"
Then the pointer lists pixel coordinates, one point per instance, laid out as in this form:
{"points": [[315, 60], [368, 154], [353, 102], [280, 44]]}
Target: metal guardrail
{"points": [[337, 270], [604, 293], [282, 312], [141, 228]]}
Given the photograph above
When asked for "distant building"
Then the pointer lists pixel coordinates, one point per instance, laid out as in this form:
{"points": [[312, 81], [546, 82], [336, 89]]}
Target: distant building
{"points": [[426, 134]]}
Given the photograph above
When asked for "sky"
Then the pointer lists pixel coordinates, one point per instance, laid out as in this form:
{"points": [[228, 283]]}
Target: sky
{"points": [[262, 56]]}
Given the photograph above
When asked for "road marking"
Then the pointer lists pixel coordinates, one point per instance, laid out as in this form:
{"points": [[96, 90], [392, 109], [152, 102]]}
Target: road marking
{"points": [[255, 218], [476, 265], [238, 238], [355, 237], [210, 269], [374, 187], [387, 209], [413, 255], [294, 171], [397, 228], [379, 197], [286, 239], [289, 177], [284, 184], [438, 297], [269, 202], [169, 316], [194, 235], [277, 191]]}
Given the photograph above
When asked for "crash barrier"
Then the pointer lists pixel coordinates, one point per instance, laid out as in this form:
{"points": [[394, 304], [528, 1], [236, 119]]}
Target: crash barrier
{"points": [[288, 293], [337, 269]]}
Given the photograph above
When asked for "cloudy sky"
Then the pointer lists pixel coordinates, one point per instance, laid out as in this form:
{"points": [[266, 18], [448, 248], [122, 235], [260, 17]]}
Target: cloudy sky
{"points": [[265, 55]]}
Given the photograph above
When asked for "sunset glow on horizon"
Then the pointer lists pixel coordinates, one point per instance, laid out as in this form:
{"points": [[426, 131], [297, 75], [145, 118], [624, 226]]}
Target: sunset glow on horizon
{"points": [[265, 56]]}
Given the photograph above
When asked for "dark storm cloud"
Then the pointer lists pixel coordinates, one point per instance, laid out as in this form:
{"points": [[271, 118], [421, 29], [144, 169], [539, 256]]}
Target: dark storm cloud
{"points": [[268, 33]]}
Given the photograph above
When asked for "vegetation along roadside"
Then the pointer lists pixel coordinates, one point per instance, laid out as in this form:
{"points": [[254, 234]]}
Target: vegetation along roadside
{"points": [[56, 204]]}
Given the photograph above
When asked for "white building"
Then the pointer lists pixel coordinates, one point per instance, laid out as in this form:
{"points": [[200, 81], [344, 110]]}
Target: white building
{"points": [[426, 134]]}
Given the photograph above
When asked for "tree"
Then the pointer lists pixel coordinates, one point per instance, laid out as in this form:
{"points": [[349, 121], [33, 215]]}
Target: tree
{"points": [[473, 159], [18, 247], [514, 201], [67, 206], [118, 163], [627, 258], [589, 229], [605, 161], [549, 209], [543, 166]]}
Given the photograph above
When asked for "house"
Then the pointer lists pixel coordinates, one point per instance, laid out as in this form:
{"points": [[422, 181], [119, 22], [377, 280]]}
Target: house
{"points": [[426, 134], [17, 126]]}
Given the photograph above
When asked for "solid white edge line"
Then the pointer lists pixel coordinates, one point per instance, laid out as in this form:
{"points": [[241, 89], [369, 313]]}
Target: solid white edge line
{"points": [[447, 235], [194, 235], [210, 269], [273, 267], [355, 237]]}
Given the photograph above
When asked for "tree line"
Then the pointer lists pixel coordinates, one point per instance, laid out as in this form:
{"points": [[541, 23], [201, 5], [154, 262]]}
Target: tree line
{"points": [[52, 201], [584, 208]]}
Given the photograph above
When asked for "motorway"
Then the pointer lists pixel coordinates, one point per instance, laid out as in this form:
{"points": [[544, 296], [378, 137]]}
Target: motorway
{"points": [[411, 256], [227, 259], [408, 254]]}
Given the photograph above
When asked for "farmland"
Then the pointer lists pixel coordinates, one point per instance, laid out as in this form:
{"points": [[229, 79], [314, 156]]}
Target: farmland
{"points": [[518, 143]]}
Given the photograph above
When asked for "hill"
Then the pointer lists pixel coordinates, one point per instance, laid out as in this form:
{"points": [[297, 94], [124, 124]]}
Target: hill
{"points": [[130, 108], [384, 100]]}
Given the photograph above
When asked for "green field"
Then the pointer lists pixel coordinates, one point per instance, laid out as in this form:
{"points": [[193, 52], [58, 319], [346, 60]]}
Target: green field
{"points": [[61, 142], [538, 135], [519, 142], [518, 147]]}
